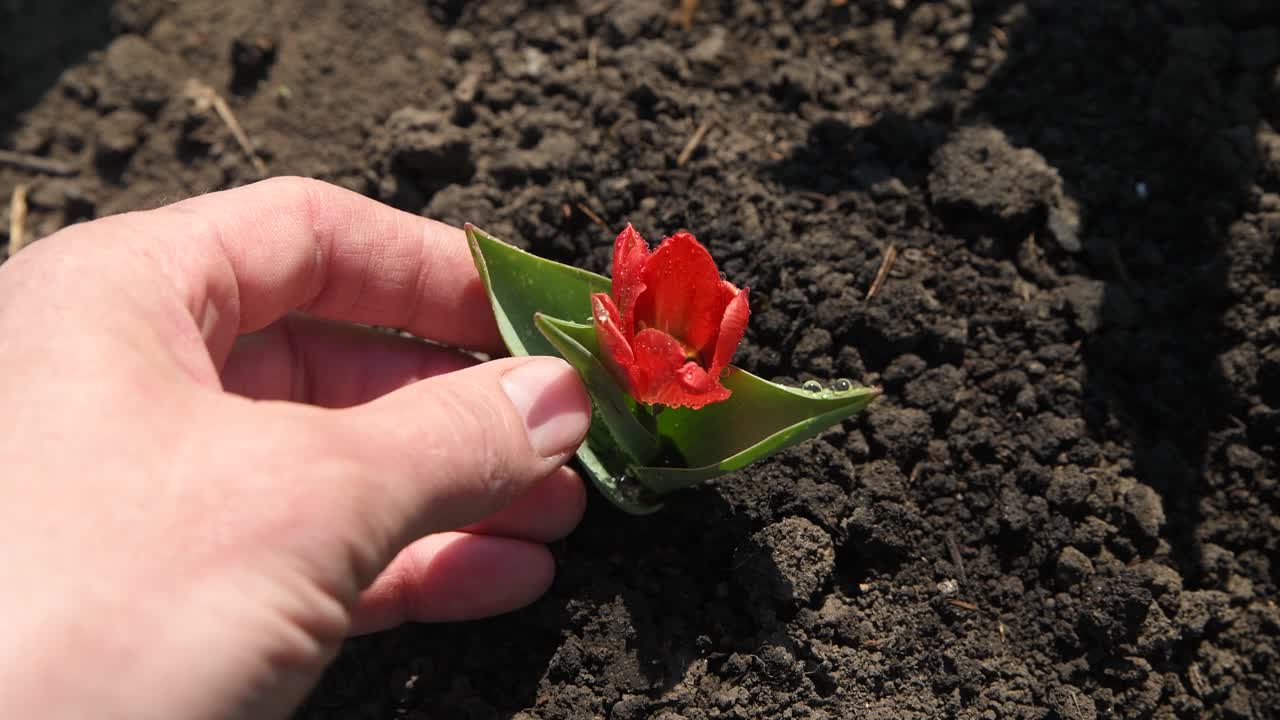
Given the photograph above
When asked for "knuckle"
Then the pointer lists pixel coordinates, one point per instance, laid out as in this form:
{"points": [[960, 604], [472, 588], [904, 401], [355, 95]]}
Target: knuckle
{"points": [[478, 431], [298, 188], [305, 197]]}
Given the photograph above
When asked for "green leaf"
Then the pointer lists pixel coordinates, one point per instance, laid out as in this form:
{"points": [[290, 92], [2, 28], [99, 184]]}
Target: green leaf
{"points": [[759, 419], [520, 284], [615, 481], [578, 344], [536, 302]]}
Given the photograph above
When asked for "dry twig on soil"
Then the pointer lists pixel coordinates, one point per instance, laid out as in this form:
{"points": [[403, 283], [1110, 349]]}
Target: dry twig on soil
{"points": [[1117, 261], [957, 560], [694, 141], [17, 219], [688, 8], [890, 254], [35, 163], [206, 97], [591, 214]]}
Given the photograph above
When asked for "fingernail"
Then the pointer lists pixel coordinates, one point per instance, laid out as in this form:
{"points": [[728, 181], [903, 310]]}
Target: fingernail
{"points": [[550, 398]]}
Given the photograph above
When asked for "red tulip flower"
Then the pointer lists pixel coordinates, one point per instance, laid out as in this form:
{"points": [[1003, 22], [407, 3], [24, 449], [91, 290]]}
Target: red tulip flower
{"points": [[670, 325]]}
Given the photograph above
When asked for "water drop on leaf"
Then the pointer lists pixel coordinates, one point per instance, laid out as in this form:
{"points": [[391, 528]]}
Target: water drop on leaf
{"points": [[842, 385], [812, 386]]}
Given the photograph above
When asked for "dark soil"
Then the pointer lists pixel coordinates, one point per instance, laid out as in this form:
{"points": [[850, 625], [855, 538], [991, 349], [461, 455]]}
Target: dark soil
{"points": [[1066, 506]]}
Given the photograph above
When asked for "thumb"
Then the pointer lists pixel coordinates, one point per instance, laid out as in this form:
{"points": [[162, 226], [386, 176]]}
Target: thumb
{"points": [[450, 450]]}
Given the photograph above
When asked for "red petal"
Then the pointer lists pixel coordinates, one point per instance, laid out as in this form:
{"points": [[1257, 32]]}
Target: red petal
{"points": [[666, 377], [630, 252], [617, 353], [732, 327], [728, 291], [683, 295]]}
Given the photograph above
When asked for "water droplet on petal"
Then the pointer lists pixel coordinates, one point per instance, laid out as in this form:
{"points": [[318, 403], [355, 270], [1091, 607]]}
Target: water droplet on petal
{"points": [[724, 275], [812, 386], [842, 385]]}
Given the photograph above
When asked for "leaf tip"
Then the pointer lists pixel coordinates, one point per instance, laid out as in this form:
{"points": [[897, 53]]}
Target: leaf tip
{"points": [[474, 234], [542, 322]]}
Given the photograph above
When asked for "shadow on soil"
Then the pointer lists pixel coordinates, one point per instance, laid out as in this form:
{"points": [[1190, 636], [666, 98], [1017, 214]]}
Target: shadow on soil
{"points": [[1150, 114], [599, 624], [1126, 102], [38, 40]]}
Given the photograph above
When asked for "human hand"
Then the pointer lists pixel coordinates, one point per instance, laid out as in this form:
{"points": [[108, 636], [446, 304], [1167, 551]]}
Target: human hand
{"points": [[190, 524]]}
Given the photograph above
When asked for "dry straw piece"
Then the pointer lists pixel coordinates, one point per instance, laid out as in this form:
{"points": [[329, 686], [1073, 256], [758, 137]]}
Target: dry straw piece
{"points": [[17, 220], [206, 97]]}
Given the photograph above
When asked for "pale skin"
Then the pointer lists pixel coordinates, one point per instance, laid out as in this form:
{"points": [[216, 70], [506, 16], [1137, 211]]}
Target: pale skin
{"points": [[209, 476]]}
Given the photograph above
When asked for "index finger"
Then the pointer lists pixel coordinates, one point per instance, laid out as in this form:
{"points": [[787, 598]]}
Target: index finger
{"points": [[243, 258]]}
